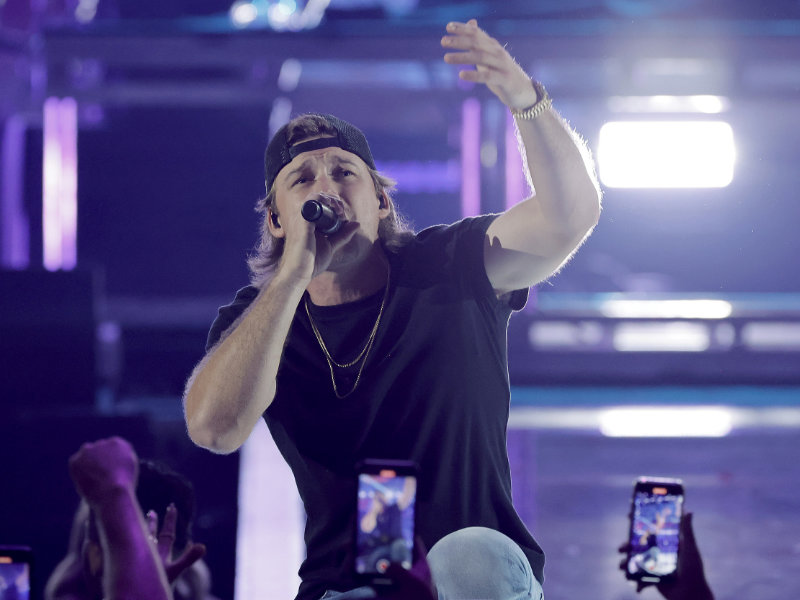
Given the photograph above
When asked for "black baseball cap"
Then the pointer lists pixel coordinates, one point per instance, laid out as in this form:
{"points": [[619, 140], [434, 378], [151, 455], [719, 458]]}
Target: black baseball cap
{"points": [[348, 137]]}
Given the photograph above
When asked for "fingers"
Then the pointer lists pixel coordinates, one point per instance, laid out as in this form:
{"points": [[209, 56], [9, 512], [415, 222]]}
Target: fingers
{"points": [[687, 532], [328, 245], [166, 536], [476, 46], [493, 65], [152, 524], [188, 557]]}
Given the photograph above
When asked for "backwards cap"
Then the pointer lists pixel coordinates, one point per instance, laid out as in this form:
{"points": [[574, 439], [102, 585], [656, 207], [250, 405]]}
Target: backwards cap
{"points": [[348, 137]]}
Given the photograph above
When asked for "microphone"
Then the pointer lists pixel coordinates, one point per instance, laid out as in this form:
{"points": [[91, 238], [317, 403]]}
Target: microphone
{"points": [[322, 216]]}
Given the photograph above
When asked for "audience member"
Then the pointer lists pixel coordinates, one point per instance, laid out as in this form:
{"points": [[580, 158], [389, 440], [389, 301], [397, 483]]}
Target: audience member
{"points": [[690, 581], [120, 553]]}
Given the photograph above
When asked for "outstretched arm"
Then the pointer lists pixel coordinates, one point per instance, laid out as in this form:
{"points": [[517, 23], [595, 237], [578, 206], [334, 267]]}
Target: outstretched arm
{"points": [[531, 240], [105, 475], [235, 382]]}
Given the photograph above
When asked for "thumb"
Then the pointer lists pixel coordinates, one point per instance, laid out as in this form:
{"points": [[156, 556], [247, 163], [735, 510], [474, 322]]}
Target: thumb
{"points": [[190, 556]]}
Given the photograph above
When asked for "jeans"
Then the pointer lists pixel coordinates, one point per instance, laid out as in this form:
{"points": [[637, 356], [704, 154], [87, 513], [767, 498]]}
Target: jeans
{"points": [[475, 563]]}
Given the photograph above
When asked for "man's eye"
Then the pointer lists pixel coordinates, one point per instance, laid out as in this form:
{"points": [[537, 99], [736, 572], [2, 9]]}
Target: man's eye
{"points": [[300, 180]]}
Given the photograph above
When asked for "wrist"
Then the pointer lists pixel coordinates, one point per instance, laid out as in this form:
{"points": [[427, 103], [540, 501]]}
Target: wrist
{"points": [[288, 277], [525, 98], [542, 103], [108, 499]]}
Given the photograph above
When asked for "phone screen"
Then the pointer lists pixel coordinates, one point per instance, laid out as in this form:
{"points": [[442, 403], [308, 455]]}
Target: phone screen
{"points": [[15, 574], [655, 521], [385, 529]]}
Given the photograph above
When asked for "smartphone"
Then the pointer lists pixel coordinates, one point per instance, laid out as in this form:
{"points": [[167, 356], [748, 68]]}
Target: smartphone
{"points": [[386, 499], [16, 568], [656, 509]]}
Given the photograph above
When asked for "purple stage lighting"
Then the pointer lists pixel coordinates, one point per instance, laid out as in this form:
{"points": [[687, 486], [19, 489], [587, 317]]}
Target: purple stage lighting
{"points": [[60, 184], [470, 157]]}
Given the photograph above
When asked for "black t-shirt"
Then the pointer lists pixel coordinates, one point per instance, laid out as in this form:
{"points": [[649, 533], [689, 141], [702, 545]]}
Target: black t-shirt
{"points": [[434, 390]]}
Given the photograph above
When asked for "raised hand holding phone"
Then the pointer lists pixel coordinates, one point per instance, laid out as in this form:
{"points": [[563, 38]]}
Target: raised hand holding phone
{"points": [[687, 580], [385, 529], [653, 538]]}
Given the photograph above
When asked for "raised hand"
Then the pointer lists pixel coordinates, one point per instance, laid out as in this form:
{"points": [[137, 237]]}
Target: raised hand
{"points": [[494, 66], [412, 584], [165, 539], [99, 468], [689, 582]]}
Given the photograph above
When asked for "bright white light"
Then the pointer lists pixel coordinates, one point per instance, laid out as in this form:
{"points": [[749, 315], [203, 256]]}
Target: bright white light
{"points": [[666, 154], [243, 13], [704, 104], [60, 184], [661, 337], [565, 334], [289, 76], [269, 540], [86, 10], [666, 309], [771, 336], [709, 104], [690, 421], [281, 13]]}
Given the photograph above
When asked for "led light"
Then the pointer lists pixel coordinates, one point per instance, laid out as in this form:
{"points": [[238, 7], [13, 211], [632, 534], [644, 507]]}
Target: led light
{"points": [[704, 104], [281, 15], [565, 334], [243, 13], [289, 76], [772, 336], [470, 157], [14, 228], [690, 421], [666, 154], [666, 309], [86, 11], [269, 540], [60, 184], [661, 337]]}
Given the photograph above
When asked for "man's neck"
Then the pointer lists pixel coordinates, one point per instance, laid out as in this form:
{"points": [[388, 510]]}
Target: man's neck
{"points": [[351, 283]]}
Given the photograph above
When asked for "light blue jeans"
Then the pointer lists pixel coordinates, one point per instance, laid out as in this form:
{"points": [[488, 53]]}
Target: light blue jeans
{"points": [[475, 563]]}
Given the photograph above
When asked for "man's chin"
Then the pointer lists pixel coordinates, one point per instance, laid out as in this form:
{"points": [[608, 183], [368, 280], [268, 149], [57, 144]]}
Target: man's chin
{"points": [[353, 251]]}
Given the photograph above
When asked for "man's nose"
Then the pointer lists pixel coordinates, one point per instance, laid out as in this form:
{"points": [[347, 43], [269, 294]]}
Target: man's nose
{"points": [[326, 184]]}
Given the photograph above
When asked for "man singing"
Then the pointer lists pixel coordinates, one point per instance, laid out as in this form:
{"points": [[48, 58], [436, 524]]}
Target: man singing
{"points": [[373, 342]]}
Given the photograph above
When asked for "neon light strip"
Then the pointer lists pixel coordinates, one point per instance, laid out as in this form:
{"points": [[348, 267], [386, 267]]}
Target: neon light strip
{"points": [[15, 249], [470, 158], [59, 184], [269, 540], [685, 421], [51, 176], [68, 198], [515, 172]]}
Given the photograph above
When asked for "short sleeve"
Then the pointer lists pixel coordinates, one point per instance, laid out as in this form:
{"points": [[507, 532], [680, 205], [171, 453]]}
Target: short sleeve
{"points": [[470, 236], [228, 314]]}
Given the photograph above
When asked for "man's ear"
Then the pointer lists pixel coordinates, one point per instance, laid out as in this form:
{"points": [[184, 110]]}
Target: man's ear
{"points": [[384, 205], [274, 223]]}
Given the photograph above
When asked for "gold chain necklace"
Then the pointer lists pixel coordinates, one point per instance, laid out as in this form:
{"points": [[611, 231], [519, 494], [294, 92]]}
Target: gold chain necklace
{"points": [[362, 356]]}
